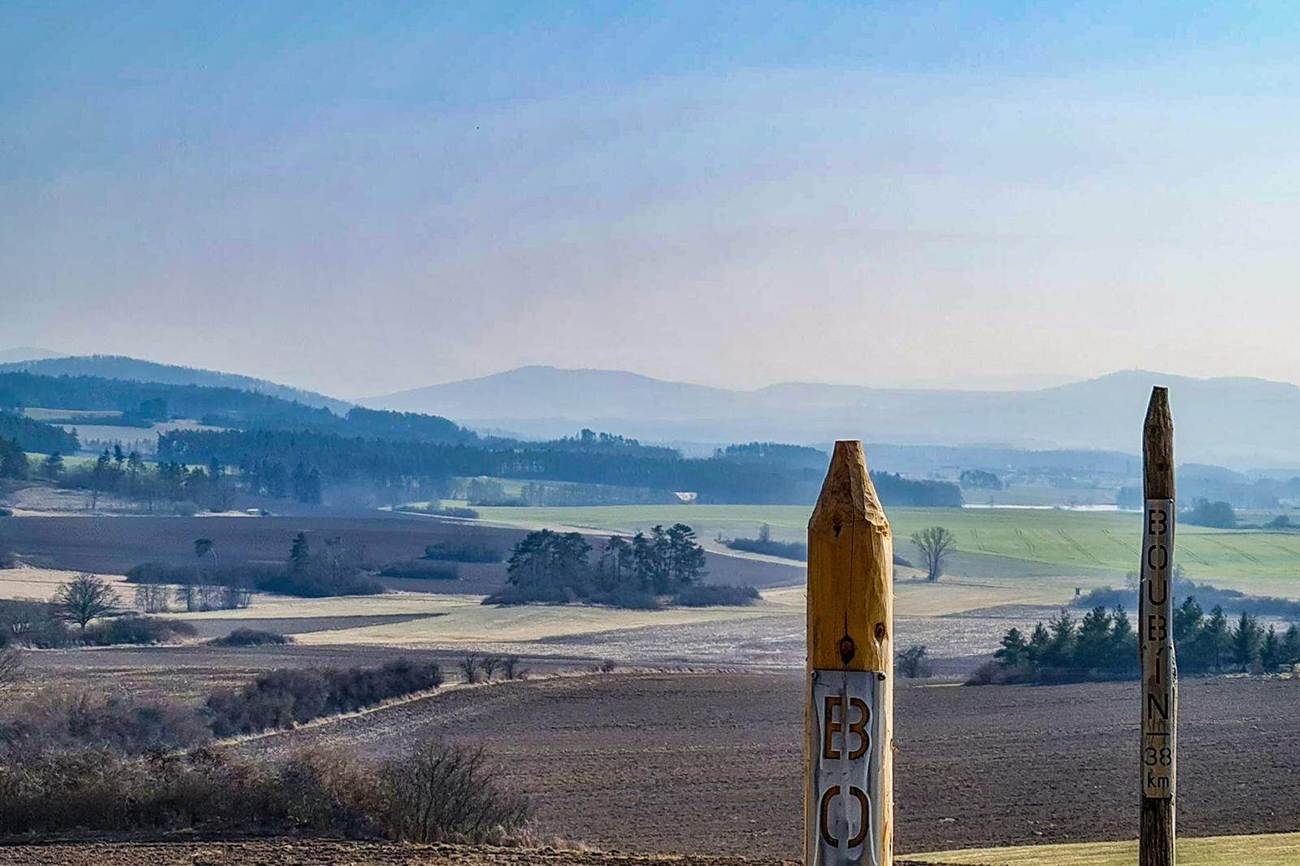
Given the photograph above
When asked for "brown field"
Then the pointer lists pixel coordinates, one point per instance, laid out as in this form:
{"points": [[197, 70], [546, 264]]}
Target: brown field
{"points": [[115, 544], [324, 853], [710, 763]]}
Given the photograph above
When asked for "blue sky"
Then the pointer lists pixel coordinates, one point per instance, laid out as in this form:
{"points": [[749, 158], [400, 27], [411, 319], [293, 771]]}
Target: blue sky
{"points": [[366, 197]]}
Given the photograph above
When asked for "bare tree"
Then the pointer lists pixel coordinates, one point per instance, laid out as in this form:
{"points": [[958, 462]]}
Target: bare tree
{"points": [[935, 543], [11, 667], [235, 597], [437, 792], [152, 597], [212, 597], [85, 598], [510, 668], [188, 594], [469, 668], [489, 666]]}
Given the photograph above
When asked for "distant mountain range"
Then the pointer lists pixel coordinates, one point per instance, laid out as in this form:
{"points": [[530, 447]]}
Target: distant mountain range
{"points": [[134, 369], [1240, 422]]}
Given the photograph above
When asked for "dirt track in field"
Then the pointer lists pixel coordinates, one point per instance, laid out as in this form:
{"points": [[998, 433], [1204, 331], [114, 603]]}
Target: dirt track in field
{"points": [[710, 762]]}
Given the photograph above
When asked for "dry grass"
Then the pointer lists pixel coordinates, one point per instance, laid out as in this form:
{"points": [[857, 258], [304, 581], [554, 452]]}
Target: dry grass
{"points": [[1282, 849], [39, 584], [467, 621]]}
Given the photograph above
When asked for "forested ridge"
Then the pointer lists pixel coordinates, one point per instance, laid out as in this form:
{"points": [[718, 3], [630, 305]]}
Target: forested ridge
{"points": [[394, 455]]}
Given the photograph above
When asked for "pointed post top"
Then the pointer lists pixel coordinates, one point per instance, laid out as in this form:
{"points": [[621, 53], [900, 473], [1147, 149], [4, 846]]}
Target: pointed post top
{"points": [[847, 493], [1158, 447]]}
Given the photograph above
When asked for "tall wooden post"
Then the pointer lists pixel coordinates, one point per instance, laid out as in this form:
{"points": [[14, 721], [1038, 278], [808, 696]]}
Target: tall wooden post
{"points": [[1156, 639], [849, 718]]}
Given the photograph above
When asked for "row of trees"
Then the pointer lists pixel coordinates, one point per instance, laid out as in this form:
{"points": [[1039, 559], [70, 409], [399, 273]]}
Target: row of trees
{"points": [[411, 466], [556, 567], [1103, 645]]}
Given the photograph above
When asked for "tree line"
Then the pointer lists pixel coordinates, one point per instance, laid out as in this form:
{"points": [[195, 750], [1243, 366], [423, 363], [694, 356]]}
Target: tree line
{"points": [[398, 468], [1103, 645]]}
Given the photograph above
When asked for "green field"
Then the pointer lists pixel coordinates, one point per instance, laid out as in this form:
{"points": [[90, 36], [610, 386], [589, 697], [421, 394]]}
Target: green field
{"points": [[1097, 547], [1278, 849]]}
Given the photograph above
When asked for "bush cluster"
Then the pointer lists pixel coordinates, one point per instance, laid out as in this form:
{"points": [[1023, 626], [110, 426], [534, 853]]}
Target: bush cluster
{"points": [[124, 723], [285, 697], [309, 581], [711, 594], [138, 630], [38, 624], [431, 793], [463, 551], [420, 569], [251, 637]]}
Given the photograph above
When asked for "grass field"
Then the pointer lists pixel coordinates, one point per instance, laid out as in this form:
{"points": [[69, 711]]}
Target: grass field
{"points": [[1097, 544], [1281, 849]]}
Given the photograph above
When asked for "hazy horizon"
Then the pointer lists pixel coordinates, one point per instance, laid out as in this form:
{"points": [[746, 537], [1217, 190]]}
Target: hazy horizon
{"points": [[361, 201]]}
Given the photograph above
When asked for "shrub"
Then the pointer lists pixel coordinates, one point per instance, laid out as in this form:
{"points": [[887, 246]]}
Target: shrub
{"points": [[285, 697], [531, 594], [251, 637], [467, 551], [311, 581], [768, 547], [710, 594], [914, 662], [436, 792], [138, 630], [11, 665], [629, 599], [420, 569], [1215, 514], [34, 624], [125, 723], [433, 792]]}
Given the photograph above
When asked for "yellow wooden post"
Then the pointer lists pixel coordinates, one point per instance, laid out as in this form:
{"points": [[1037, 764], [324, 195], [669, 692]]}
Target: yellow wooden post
{"points": [[849, 718]]}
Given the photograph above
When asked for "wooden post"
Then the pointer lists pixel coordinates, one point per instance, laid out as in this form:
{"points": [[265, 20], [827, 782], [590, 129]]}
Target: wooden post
{"points": [[849, 718], [1159, 755]]}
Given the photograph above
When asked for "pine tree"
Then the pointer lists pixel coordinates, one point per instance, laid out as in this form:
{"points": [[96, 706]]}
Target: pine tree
{"points": [[1245, 642]]}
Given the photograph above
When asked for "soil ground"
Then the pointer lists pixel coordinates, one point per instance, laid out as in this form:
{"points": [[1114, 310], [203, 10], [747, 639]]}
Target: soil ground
{"points": [[114, 544], [322, 853], [710, 763]]}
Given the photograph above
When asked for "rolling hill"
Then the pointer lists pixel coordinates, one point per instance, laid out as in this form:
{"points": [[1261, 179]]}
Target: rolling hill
{"points": [[136, 370], [1240, 422]]}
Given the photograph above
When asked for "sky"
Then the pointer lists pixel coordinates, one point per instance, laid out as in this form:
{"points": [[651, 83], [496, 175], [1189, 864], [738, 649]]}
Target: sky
{"points": [[363, 198]]}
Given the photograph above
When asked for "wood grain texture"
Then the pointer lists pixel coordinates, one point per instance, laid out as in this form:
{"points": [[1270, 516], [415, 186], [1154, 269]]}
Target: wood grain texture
{"points": [[1157, 831], [851, 609]]}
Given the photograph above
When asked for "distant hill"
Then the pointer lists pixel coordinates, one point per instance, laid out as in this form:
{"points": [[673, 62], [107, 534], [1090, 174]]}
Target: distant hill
{"points": [[26, 353], [136, 370], [1238, 422]]}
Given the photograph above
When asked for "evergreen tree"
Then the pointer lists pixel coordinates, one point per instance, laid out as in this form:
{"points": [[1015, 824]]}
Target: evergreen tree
{"points": [[1245, 641], [687, 557], [1270, 651], [300, 552], [52, 466], [1014, 651]]}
